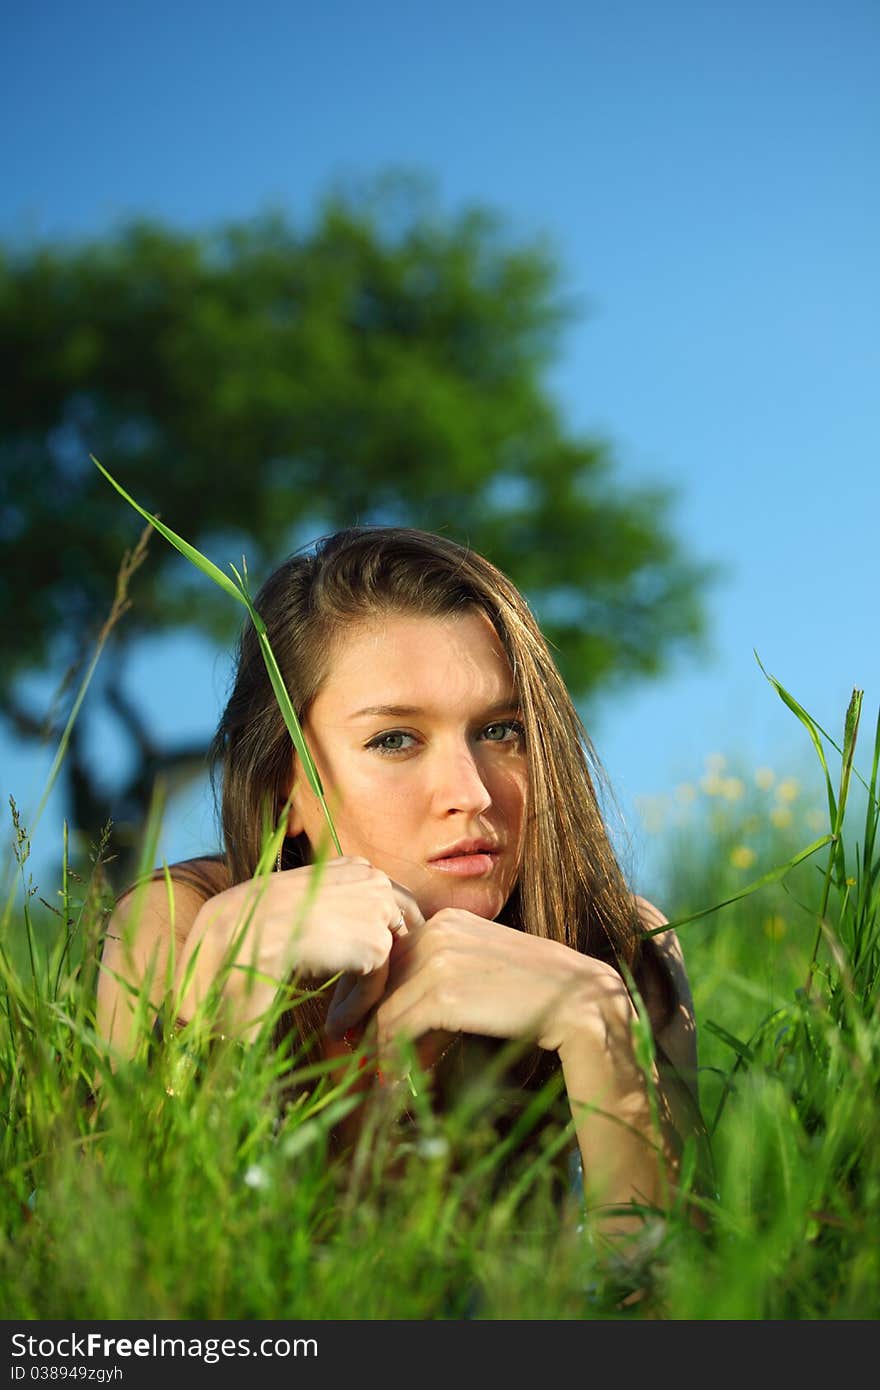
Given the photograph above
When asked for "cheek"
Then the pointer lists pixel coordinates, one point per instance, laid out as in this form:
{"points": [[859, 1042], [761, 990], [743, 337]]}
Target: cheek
{"points": [[511, 793], [386, 814]]}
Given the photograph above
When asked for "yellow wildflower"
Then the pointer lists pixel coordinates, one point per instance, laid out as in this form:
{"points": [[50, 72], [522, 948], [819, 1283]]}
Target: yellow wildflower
{"points": [[781, 817], [788, 790], [742, 857], [764, 778], [774, 927], [732, 788]]}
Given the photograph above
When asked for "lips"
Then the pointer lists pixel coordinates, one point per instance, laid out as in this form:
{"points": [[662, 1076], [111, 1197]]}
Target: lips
{"points": [[466, 847], [467, 858]]}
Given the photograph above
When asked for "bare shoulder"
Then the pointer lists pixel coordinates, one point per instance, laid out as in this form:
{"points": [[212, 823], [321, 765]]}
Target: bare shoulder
{"points": [[156, 906], [678, 1036], [146, 932]]}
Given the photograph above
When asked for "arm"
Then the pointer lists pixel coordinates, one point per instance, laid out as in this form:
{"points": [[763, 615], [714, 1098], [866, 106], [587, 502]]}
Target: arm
{"points": [[148, 929], [676, 1036], [463, 974], [249, 940], [641, 1122], [624, 1118]]}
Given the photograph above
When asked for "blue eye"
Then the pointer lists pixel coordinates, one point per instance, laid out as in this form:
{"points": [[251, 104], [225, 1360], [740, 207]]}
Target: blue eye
{"points": [[496, 733], [390, 742]]}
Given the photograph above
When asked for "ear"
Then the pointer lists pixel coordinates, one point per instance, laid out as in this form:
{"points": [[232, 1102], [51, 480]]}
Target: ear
{"points": [[294, 819], [294, 796]]}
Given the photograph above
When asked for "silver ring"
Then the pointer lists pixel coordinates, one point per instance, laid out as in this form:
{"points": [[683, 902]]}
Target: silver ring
{"points": [[400, 924]]}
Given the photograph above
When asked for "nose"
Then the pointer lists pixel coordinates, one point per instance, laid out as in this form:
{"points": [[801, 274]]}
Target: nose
{"points": [[459, 783]]}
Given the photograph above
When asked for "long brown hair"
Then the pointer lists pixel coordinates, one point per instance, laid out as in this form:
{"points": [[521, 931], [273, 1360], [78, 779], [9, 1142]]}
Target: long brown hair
{"points": [[570, 887]]}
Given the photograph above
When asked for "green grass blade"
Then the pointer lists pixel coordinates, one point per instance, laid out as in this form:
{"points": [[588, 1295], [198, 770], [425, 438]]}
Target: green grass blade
{"points": [[741, 1049], [772, 876], [812, 729], [239, 591], [188, 551], [837, 856], [851, 730], [285, 704]]}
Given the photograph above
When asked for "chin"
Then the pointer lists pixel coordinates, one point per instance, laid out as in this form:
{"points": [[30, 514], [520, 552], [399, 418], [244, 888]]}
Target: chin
{"points": [[481, 903]]}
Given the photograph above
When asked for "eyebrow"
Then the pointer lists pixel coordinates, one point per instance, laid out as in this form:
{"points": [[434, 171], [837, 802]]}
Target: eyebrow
{"points": [[398, 711]]}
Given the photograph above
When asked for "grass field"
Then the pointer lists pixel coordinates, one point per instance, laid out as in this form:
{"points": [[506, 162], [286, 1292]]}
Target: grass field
{"points": [[180, 1186]]}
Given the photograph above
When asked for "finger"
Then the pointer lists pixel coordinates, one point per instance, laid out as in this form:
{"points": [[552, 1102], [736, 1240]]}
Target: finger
{"points": [[408, 903], [399, 927], [352, 1001], [404, 1016]]}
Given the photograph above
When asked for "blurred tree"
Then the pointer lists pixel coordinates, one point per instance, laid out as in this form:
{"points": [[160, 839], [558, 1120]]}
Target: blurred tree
{"points": [[264, 383]]}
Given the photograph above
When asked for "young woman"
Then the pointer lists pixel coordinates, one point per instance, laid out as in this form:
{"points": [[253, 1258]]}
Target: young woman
{"points": [[477, 892]]}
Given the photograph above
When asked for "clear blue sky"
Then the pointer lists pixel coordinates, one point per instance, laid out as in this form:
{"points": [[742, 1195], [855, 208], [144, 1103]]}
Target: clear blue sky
{"points": [[708, 174]]}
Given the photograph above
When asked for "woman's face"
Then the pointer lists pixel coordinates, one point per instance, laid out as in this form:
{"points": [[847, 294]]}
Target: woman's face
{"points": [[417, 738]]}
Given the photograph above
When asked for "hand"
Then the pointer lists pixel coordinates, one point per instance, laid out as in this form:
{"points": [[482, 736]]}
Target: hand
{"points": [[459, 973], [313, 921]]}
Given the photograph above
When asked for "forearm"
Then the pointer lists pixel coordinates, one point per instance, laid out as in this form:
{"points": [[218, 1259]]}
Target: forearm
{"points": [[212, 971], [628, 1146], [144, 939]]}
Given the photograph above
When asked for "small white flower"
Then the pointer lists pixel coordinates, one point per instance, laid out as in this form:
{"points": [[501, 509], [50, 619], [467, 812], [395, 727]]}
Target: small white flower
{"points": [[433, 1146], [256, 1178]]}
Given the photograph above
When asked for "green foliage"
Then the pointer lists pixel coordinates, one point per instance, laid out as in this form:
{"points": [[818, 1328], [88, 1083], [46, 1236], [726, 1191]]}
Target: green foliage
{"points": [[209, 1195], [262, 384]]}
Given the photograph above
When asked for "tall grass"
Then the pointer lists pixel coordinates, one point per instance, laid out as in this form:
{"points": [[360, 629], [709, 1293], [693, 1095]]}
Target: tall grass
{"points": [[191, 1180]]}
